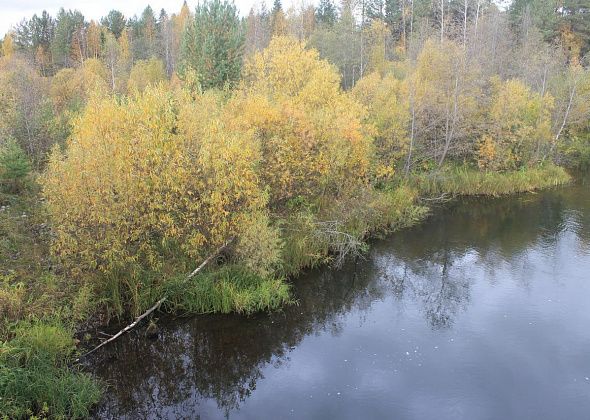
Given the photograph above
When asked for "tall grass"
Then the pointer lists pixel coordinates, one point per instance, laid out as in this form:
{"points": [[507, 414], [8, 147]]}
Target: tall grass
{"points": [[35, 379], [468, 181], [229, 289]]}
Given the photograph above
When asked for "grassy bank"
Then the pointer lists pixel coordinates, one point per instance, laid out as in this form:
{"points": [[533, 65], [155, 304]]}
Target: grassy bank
{"points": [[467, 181], [329, 232], [228, 289], [41, 308], [35, 379]]}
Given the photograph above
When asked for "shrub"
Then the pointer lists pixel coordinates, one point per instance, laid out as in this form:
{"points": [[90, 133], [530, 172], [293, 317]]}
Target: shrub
{"points": [[150, 181], [311, 134], [146, 73]]}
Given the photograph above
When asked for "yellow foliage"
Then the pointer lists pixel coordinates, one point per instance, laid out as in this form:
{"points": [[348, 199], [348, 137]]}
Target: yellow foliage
{"points": [[124, 45], [386, 99], [378, 39], [520, 124], [146, 178], [93, 36], [71, 87], [311, 133], [573, 43], [486, 153], [7, 45], [146, 73]]}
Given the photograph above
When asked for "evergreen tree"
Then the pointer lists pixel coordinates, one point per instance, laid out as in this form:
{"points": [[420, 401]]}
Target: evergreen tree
{"points": [[277, 7], [66, 25], [114, 22], [14, 167], [34, 37], [213, 44], [375, 9], [326, 13]]}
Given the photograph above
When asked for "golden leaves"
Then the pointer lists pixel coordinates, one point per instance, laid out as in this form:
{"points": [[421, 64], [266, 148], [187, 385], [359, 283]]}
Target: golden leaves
{"points": [[310, 131], [139, 173]]}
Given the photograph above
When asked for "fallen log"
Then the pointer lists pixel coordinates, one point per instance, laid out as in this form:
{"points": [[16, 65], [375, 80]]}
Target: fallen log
{"points": [[158, 303]]}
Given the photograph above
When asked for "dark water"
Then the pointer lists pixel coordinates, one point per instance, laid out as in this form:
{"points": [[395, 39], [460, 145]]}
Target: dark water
{"points": [[483, 312]]}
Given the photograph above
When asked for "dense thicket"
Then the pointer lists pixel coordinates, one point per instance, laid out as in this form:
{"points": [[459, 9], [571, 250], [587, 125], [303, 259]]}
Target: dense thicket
{"points": [[185, 130]]}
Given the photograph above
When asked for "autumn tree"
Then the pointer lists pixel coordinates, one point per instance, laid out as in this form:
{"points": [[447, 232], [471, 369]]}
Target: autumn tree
{"points": [[148, 180], [312, 139], [450, 89], [25, 110], [7, 45], [278, 19], [388, 105], [94, 38], [519, 127], [146, 73], [71, 88], [178, 23]]}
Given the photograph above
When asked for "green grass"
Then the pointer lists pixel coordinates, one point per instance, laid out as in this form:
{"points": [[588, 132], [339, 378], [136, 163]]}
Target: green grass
{"points": [[468, 181], [227, 289], [35, 348], [35, 379]]}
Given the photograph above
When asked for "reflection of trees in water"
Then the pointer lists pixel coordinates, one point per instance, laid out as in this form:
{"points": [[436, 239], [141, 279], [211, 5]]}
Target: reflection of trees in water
{"points": [[432, 263], [440, 288], [223, 357]]}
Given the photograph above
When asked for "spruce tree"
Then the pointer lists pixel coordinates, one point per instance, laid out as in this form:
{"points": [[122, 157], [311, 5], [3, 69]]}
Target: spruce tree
{"points": [[14, 167], [213, 44]]}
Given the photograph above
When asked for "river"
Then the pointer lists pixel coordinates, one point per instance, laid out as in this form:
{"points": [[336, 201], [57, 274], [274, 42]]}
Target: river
{"points": [[481, 312]]}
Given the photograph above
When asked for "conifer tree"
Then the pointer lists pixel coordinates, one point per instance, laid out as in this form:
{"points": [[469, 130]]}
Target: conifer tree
{"points": [[213, 44]]}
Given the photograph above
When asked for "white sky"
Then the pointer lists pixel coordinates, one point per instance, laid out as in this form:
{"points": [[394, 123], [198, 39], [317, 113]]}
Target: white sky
{"points": [[13, 11]]}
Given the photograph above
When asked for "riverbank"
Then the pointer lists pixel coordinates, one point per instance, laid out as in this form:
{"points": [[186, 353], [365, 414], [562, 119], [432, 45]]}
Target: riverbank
{"points": [[42, 310], [465, 181], [484, 288]]}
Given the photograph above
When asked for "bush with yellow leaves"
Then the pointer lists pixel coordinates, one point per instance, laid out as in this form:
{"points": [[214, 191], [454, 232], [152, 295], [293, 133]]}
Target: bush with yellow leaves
{"points": [[311, 135], [146, 73], [148, 179], [386, 99], [519, 127]]}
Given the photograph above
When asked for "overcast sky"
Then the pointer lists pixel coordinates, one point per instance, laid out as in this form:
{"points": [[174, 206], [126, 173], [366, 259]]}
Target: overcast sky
{"points": [[13, 11]]}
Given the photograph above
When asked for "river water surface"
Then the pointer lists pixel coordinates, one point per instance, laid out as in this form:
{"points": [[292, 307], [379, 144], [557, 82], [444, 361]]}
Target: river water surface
{"points": [[482, 312]]}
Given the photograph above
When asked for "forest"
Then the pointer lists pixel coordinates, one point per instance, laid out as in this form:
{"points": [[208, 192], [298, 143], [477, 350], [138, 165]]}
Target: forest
{"points": [[133, 148]]}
